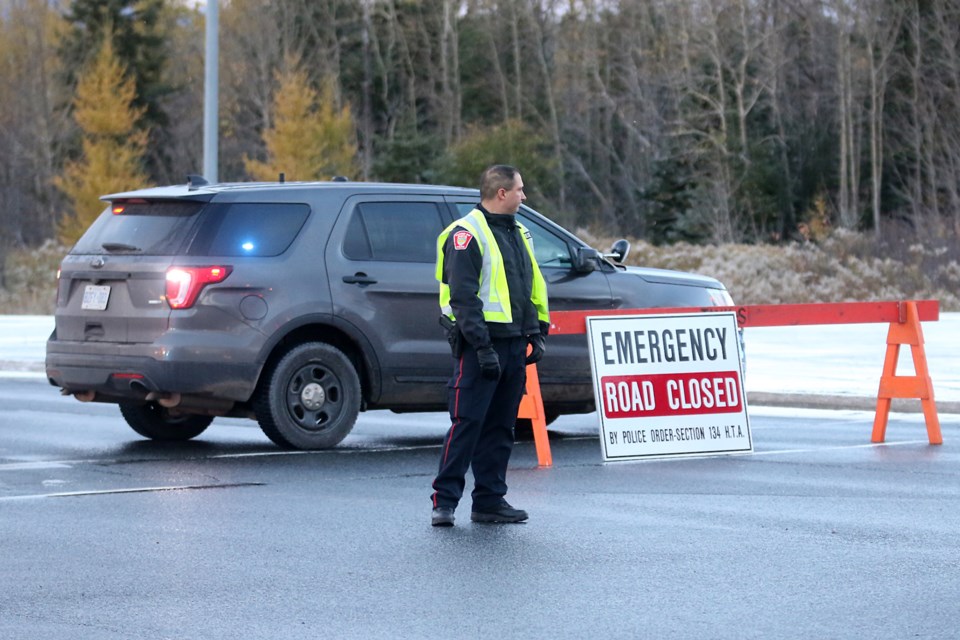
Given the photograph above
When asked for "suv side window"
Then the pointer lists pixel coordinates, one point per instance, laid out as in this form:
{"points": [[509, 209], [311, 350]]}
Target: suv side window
{"points": [[550, 250], [248, 229], [394, 232]]}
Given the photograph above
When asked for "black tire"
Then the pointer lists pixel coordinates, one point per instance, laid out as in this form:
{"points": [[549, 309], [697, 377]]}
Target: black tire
{"points": [[155, 422], [523, 430], [550, 415], [310, 399]]}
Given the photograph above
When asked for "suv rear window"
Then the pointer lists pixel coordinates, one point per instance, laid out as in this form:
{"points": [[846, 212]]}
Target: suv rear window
{"points": [[144, 228], [221, 229], [248, 229]]}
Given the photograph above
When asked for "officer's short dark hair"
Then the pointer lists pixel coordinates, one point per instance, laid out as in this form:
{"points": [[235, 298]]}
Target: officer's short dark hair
{"points": [[496, 177]]}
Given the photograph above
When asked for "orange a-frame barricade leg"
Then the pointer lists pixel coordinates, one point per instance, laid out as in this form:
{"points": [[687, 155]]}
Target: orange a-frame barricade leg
{"points": [[531, 407], [906, 331]]}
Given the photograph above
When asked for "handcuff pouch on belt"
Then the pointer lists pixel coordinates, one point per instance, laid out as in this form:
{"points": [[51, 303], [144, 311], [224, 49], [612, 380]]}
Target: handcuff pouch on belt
{"points": [[454, 337]]}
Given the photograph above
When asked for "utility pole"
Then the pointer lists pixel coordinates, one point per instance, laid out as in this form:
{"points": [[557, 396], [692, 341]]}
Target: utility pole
{"points": [[211, 78]]}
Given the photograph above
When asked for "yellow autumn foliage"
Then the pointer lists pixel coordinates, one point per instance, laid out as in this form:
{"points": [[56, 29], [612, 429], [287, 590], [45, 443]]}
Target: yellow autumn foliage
{"points": [[310, 139], [112, 146]]}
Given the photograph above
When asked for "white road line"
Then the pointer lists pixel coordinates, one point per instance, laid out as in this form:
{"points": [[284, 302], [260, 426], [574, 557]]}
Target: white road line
{"points": [[29, 466], [105, 492], [868, 445], [260, 454], [350, 451], [742, 454], [66, 464]]}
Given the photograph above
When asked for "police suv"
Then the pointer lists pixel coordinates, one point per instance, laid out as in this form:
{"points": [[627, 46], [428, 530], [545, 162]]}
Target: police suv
{"points": [[300, 305]]}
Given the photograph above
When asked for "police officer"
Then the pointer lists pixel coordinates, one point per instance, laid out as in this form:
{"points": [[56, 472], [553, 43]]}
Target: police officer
{"points": [[494, 301]]}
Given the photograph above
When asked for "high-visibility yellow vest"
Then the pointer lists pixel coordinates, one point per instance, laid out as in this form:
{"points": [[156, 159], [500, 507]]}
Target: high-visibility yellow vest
{"points": [[494, 292]]}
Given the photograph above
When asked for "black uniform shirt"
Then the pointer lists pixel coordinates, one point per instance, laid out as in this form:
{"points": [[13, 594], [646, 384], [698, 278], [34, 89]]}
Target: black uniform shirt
{"points": [[461, 271]]}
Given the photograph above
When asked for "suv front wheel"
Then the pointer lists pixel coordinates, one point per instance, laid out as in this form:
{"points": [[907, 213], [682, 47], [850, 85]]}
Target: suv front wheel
{"points": [[309, 399]]}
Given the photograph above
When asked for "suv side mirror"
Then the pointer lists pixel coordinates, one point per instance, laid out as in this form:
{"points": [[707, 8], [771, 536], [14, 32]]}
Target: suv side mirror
{"points": [[585, 260], [619, 250]]}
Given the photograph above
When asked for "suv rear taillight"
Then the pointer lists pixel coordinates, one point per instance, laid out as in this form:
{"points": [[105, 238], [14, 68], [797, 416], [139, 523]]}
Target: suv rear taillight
{"points": [[184, 284]]}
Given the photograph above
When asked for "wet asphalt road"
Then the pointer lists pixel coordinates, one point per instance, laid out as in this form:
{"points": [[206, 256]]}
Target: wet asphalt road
{"points": [[818, 534]]}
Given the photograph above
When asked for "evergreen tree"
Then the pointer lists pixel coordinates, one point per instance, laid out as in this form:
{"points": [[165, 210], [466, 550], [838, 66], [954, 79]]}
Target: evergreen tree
{"points": [[408, 156], [137, 28], [113, 147], [30, 127], [513, 143], [310, 138]]}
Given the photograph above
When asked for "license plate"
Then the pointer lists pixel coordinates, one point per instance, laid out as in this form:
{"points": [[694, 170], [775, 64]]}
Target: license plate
{"points": [[95, 297]]}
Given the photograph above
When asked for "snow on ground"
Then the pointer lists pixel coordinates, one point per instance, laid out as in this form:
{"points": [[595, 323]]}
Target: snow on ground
{"points": [[842, 359], [846, 359], [23, 342]]}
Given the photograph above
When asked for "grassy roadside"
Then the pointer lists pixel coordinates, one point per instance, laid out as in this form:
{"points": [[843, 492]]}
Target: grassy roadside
{"points": [[29, 284], [844, 267]]}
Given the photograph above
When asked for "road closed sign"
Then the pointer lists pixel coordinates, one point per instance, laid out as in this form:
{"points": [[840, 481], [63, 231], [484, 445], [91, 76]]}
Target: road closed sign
{"points": [[668, 385]]}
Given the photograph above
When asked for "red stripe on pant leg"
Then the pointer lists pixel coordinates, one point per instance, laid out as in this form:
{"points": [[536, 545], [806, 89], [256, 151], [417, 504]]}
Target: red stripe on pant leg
{"points": [[453, 427], [456, 412], [457, 385]]}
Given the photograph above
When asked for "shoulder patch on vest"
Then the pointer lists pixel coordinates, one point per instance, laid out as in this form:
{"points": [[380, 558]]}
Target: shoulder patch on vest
{"points": [[461, 240]]}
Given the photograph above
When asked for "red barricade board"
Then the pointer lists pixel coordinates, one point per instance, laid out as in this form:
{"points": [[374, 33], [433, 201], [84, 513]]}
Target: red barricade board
{"points": [[769, 315]]}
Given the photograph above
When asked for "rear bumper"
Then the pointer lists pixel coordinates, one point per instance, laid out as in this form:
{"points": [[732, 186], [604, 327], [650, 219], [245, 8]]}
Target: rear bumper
{"points": [[130, 371]]}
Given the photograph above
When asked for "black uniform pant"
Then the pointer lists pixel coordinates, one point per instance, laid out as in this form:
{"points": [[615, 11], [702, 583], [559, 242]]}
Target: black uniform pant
{"points": [[482, 414]]}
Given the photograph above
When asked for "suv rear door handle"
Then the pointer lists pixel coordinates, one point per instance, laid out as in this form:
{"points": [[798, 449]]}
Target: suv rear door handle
{"points": [[359, 278]]}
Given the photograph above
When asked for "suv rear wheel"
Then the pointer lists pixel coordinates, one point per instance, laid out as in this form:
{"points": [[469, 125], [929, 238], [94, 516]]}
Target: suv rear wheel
{"points": [[155, 422], [310, 399]]}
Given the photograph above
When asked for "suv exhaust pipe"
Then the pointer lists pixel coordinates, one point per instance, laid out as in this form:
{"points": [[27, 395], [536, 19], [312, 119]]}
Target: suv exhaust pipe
{"points": [[168, 400], [85, 396], [191, 404]]}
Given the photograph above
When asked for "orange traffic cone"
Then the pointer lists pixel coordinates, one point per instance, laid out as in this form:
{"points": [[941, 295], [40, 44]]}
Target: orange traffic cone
{"points": [[531, 407]]}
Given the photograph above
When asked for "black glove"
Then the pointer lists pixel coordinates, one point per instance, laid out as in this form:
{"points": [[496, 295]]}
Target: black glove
{"points": [[538, 343], [489, 362]]}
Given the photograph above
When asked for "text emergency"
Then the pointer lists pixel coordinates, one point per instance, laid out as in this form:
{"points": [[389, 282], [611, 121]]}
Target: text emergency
{"points": [[666, 345]]}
